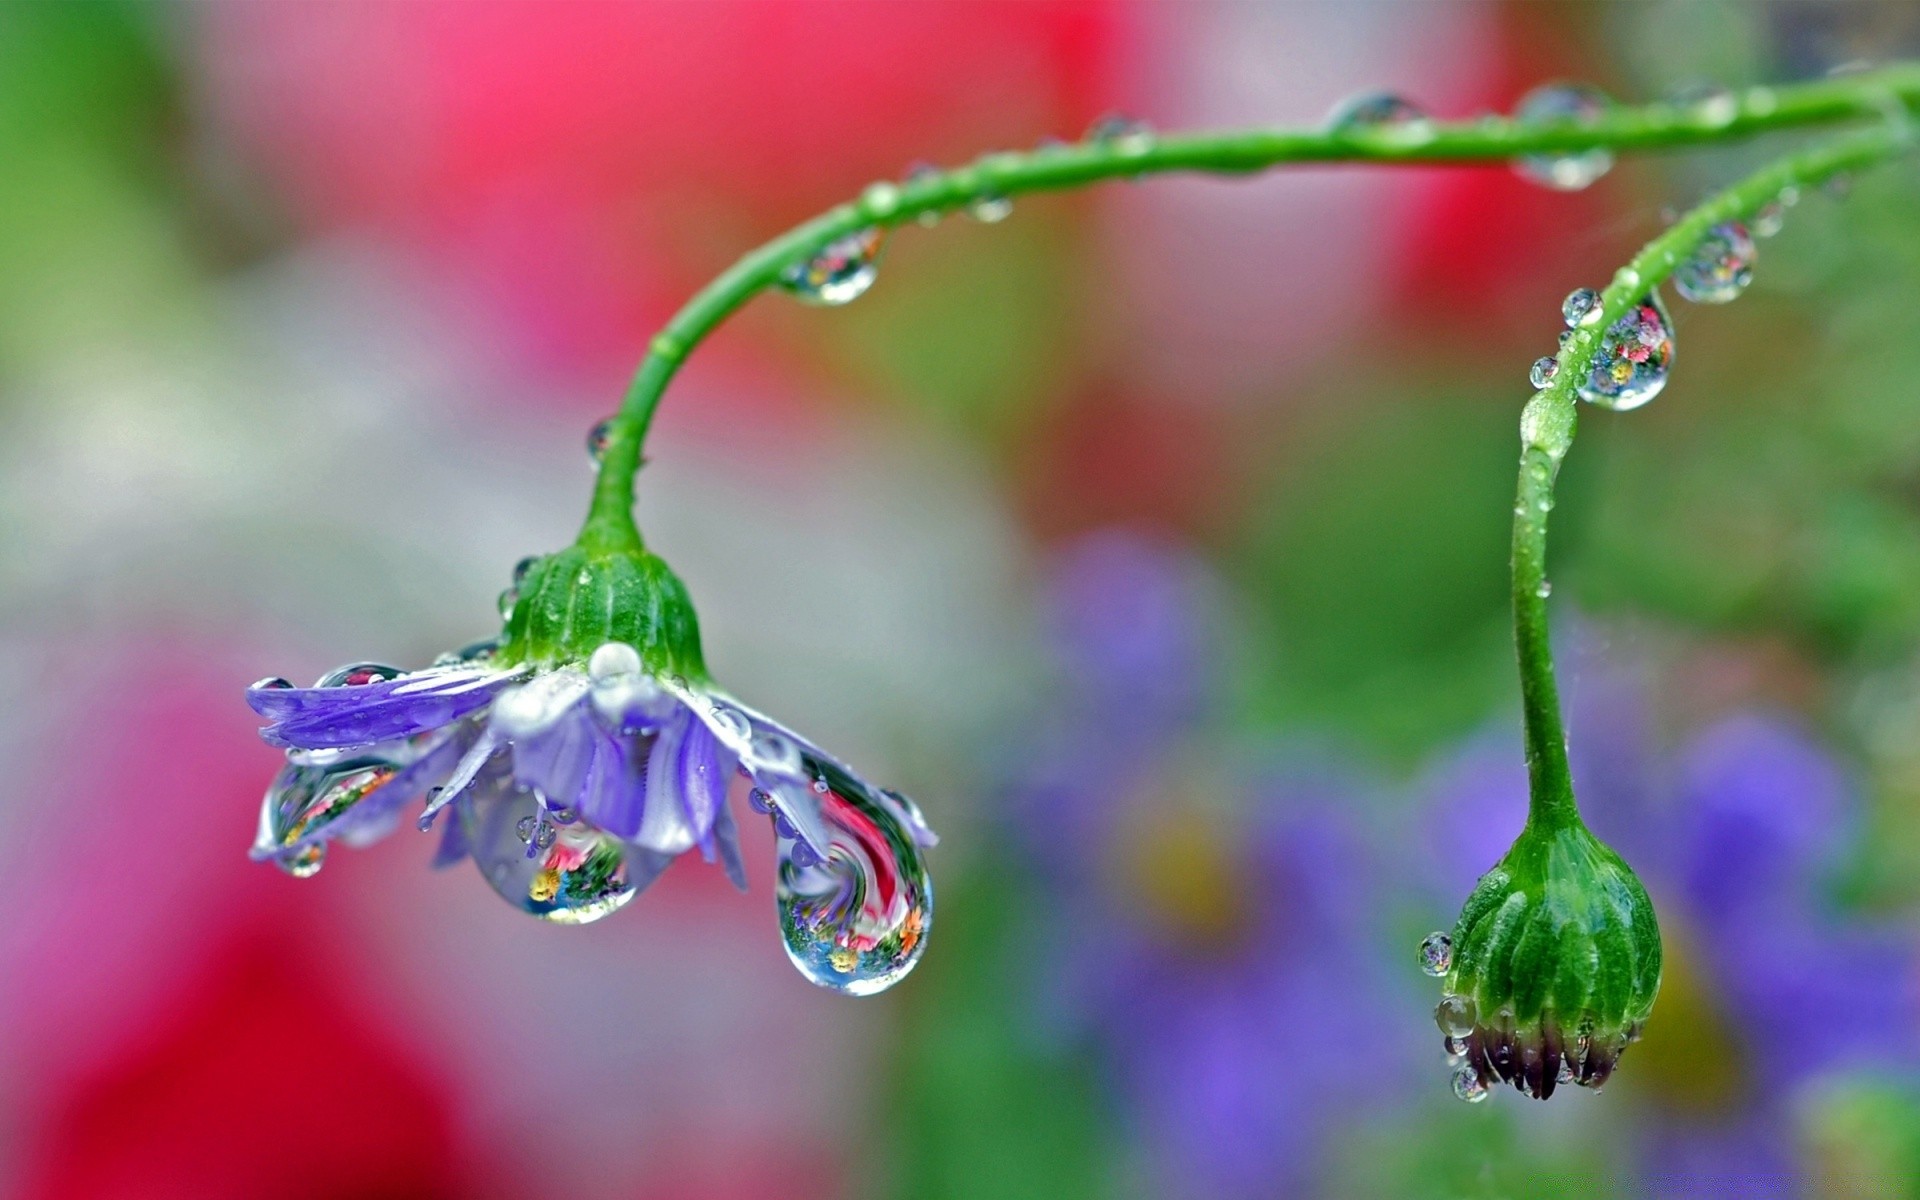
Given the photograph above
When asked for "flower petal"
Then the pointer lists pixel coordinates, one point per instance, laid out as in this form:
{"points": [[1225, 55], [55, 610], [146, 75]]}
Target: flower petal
{"points": [[355, 798], [615, 793], [664, 824], [333, 717]]}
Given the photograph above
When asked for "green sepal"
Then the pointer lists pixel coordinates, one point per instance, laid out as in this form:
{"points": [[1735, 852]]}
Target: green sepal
{"points": [[573, 602], [1561, 928]]}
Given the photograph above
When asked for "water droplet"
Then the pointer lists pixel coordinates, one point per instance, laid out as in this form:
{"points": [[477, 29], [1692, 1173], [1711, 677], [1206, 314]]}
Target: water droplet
{"points": [[1710, 104], [1581, 307], [508, 598], [841, 272], [1720, 268], [760, 801], [881, 198], [306, 862], [597, 438], [569, 876], [1467, 1084], [613, 662], [270, 683], [1454, 1015], [1790, 195], [1122, 133], [1769, 220], [472, 652], [731, 724], [359, 675], [1381, 113], [856, 922], [1580, 104], [820, 787], [1544, 369], [1545, 589], [523, 568], [990, 208], [920, 172], [1566, 335], [1633, 360], [1436, 953], [1456, 1047]]}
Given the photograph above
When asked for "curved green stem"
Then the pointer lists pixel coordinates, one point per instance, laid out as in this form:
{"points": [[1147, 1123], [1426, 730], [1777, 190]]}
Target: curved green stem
{"points": [[1547, 428], [610, 524]]}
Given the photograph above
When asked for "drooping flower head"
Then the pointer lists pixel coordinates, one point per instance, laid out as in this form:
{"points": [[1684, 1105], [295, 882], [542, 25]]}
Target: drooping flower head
{"points": [[1552, 967], [584, 750]]}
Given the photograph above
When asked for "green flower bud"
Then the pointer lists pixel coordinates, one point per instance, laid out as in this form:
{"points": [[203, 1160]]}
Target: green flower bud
{"points": [[567, 605], [1552, 967]]}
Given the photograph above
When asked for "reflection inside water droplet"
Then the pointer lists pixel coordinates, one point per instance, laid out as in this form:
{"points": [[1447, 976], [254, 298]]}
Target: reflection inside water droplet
{"points": [[597, 439], [359, 675], [1436, 953], [856, 922], [1543, 371], [1720, 268], [841, 272], [1633, 360], [1381, 112], [568, 875], [1467, 1084]]}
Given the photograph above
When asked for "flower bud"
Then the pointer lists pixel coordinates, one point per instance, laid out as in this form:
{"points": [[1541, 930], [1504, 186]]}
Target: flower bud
{"points": [[1552, 967], [569, 604]]}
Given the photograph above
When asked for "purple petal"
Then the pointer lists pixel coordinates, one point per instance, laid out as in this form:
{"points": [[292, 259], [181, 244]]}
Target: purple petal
{"points": [[476, 757], [726, 840], [664, 825], [326, 718], [703, 781], [556, 760], [615, 794]]}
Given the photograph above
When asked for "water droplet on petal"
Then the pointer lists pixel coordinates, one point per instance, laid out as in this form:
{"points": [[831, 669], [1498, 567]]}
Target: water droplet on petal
{"points": [[359, 674], [306, 862], [1769, 220], [1633, 360], [1543, 371], [597, 439], [1467, 1084], [841, 272], [760, 800], [1383, 113], [1581, 307], [856, 922], [1720, 268], [990, 209], [1454, 1015], [1580, 104], [569, 876], [1710, 104], [1122, 133], [270, 683], [1436, 953]]}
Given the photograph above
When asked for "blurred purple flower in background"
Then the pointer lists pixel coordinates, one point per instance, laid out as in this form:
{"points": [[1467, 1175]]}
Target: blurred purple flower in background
{"points": [[1217, 946], [1771, 987]]}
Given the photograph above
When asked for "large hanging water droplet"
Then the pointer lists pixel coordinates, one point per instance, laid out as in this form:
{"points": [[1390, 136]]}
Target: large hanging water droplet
{"points": [[1633, 360], [1122, 133], [1579, 103], [1581, 307], [858, 920], [1467, 1084], [1436, 954], [566, 874], [1543, 371], [597, 439], [841, 272], [359, 675], [1381, 113], [1720, 268]]}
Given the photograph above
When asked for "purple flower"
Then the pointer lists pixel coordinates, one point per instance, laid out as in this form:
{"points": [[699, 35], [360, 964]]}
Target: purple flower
{"points": [[573, 786]]}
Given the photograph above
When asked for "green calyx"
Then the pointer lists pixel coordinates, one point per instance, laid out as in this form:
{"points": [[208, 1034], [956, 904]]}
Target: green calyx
{"points": [[1560, 932], [571, 603]]}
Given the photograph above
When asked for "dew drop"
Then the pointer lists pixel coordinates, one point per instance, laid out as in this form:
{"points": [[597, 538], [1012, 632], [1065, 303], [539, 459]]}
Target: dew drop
{"points": [[1634, 357], [1122, 133], [1381, 113], [306, 862], [920, 172], [760, 800], [1769, 220], [1544, 369], [1720, 268], [271, 683], [1454, 1015], [508, 598], [613, 663], [1436, 953], [1712, 105], [597, 439], [990, 209], [472, 652], [1580, 104], [523, 568], [1566, 335], [1545, 589], [1581, 307], [1456, 1047], [1467, 1084], [881, 198], [568, 876], [359, 675], [840, 273], [856, 922]]}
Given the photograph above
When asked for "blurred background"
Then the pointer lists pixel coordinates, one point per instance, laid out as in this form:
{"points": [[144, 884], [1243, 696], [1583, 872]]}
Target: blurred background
{"points": [[1153, 538]]}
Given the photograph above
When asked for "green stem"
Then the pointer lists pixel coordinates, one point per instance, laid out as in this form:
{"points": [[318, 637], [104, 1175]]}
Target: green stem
{"points": [[1547, 428], [610, 525]]}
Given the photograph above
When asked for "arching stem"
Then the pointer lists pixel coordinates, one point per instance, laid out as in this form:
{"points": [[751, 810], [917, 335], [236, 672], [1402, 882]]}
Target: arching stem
{"points": [[1547, 428], [610, 525]]}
